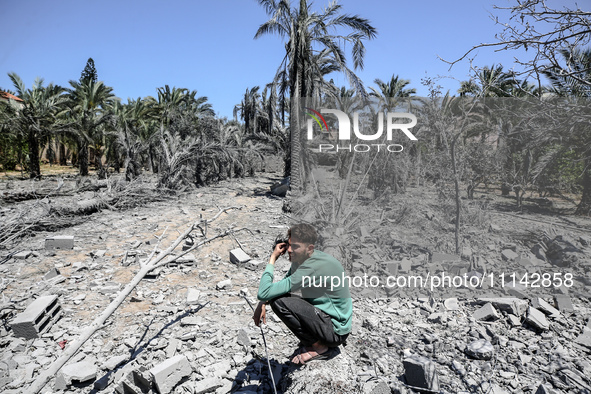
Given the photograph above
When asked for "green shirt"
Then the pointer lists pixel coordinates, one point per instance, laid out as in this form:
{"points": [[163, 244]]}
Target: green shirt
{"points": [[323, 283]]}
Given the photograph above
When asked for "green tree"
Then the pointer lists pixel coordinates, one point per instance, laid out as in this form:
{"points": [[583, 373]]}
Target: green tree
{"points": [[89, 73], [88, 112], [36, 119]]}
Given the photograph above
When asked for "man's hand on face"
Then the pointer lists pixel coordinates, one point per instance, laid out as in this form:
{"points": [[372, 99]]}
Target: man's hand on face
{"points": [[279, 250], [260, 313]]}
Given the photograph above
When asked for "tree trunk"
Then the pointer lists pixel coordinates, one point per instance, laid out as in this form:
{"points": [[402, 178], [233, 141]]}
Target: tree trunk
{"points": [[62, 154], [584, 207], [83, 156], [457, 190], [34, 167]]}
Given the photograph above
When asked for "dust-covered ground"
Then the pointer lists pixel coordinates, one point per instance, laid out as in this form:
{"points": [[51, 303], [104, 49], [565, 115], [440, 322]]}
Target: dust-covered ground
{"points": [[194, 314]]}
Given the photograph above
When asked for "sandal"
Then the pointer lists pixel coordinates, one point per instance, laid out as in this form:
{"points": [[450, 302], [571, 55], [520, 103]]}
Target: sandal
{"points": [[319, 356]]}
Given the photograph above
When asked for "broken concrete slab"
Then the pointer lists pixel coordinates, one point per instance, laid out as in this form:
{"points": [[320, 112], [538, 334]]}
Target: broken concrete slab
{"points": [[169, 373], [486, 312], [421, 372], [238, 256], [52, 273], [564, 303], [545, 307], [480, 349], [193, 296], [509, 255], [254, 265], [512, 305], [207, 385], [79, 372], [584, 338], [537, 319], [444, 257]]}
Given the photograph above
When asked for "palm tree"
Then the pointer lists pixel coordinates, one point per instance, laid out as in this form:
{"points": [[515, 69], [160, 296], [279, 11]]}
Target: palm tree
{"points": [[36, 119], [249, 108], [307, 34], [88, 113], [395, 88], [490, 82]]}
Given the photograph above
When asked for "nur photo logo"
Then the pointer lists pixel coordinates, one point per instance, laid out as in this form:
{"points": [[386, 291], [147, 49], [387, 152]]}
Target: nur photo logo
{"points": [[395, 125]]}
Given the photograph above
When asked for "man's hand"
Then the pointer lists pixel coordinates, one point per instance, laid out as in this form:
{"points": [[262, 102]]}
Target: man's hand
{"points": [[260, 314], [279, 250]]}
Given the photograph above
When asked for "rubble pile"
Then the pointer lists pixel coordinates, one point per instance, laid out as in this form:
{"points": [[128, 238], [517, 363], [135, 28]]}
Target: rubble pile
{"points": [[187, 327]]}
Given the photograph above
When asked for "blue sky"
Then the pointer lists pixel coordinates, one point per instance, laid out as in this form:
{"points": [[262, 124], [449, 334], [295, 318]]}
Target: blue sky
{"points": [[139, 46]]}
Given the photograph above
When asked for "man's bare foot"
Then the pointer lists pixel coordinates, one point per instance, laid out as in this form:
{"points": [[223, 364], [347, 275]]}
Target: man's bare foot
{"points": [[309, 353]]}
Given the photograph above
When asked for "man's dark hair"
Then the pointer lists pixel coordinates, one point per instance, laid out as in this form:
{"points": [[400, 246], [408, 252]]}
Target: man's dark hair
{"points": [[303, 232]]}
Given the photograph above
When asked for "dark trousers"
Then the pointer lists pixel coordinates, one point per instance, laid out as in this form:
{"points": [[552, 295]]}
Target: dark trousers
{"points": [[307, 322]]}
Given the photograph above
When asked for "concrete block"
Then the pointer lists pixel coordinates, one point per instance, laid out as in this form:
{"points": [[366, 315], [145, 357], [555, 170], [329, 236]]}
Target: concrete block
{"points": [[169, 373], [59, 242], [238, 256], [563, 303], [38, 318], [486, 312], [514, 320], [23, 255], [254, 265], [420, 372], [80, 372], [537, 319], [391, 268], [480, 349]]}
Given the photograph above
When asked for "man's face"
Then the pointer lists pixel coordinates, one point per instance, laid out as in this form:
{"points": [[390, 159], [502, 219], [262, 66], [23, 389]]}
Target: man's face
{"points": [[299, 251]]}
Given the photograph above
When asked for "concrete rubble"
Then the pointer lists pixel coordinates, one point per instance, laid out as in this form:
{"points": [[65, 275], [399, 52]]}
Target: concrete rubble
{"points": [[189, 329]]}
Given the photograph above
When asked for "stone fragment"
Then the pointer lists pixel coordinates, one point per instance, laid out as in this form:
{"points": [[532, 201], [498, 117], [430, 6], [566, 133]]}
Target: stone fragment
{"points": [[238, 256], [114, 362], [405, 265], [193, 296], [223, 284], [480, 349], [52, 273], [514, 320], [486, 312], [79, 372], [451, 304], [563, 303], [59, 242], [537, 319], [509, 255], [169, 373], [539, 251], [38, 318], [543, 389], [207, 385], [420, 372], [243, 338]]}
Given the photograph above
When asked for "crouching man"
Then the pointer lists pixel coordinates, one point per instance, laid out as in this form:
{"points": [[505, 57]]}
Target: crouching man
{"points": [[321, 317]]}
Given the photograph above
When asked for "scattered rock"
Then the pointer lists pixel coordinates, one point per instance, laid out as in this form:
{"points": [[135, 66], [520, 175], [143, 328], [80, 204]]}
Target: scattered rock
{"points": [[480, 349]]}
